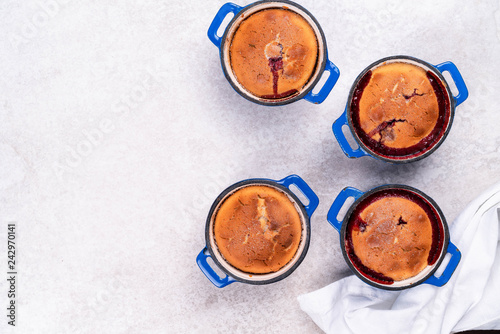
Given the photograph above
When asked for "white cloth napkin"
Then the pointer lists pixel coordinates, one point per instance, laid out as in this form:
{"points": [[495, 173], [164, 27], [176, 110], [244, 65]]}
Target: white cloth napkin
{"points": [[470, 300]]}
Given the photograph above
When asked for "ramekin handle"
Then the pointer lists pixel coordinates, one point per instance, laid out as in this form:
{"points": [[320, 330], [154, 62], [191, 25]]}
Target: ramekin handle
{"points": [[342, 140], [219, 282], [347, 192], [304, 189], [463, 92], [328, 85], [450, 267], [217, 21]]}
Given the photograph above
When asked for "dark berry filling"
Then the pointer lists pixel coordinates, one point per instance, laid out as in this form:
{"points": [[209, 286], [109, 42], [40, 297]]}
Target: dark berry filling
{"points": [[384, 127], [276, 65], [407, 97], [281, 95], [401, 221]]}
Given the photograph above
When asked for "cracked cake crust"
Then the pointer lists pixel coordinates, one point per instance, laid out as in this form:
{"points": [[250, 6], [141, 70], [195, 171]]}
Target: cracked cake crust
{"points": [[398, 107], [393, 237], [257, 229]]}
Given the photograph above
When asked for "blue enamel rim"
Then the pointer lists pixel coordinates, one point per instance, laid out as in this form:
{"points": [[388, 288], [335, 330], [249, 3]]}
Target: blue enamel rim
{"points": [[283, 185], [359, 196], [362, 150], [307, 94]]}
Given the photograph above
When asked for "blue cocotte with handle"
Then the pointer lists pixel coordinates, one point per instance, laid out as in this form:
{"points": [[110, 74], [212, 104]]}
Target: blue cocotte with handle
{"points": [[362, 150], [240, 13], [232, 274], [425, 276]]}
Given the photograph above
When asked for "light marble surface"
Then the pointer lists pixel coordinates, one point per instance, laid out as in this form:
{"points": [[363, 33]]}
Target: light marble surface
{"points": [[118, 130]]}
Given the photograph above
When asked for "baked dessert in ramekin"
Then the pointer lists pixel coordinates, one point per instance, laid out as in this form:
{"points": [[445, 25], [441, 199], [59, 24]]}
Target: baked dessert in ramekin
{"points": [[257, 231], [400, 109], [394, 237], [273, 52]]}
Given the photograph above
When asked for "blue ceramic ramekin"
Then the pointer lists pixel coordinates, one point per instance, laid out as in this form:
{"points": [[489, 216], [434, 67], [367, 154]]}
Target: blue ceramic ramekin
{"points": [[240, 14], [452, 101], [427, 275], [233, 274]]}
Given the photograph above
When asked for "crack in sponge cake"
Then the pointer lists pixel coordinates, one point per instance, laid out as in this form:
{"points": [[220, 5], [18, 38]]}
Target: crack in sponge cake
{"points": [[398, 107], [257, 229], [393, 237], [273, 53]]}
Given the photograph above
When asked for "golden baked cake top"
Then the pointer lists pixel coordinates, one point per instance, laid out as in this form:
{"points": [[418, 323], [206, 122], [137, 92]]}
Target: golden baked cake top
{"points": [[398, 107], [393, 237], [273, 53], [257, 229]]}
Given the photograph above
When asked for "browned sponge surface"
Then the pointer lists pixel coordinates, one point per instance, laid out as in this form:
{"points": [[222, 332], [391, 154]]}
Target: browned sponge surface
{"points": [[257, 229], [396, 240], [398, 107]]}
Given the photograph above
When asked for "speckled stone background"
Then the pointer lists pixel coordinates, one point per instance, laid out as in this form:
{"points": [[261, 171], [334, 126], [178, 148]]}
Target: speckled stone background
{"points": [[118, 130]]}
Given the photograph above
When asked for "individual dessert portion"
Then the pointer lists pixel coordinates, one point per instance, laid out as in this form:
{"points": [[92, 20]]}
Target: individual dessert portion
{"points": [[274, 53], [399, 108], [392, 238], [257, 229]]}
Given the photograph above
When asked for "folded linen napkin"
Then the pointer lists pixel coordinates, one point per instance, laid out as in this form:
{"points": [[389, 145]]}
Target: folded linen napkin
{"points": [[470, 299]]}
